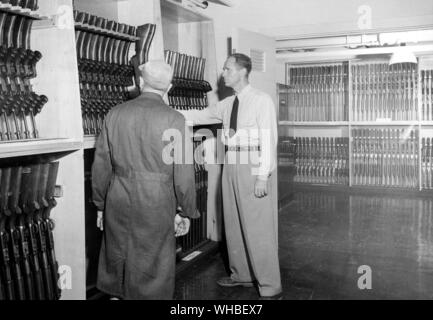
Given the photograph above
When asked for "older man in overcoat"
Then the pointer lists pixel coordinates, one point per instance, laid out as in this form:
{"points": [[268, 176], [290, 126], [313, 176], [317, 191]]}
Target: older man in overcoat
{"points": [[138, 188]]}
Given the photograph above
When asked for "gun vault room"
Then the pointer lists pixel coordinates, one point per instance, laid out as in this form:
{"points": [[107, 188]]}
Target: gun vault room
{"points": [[328, 103]]}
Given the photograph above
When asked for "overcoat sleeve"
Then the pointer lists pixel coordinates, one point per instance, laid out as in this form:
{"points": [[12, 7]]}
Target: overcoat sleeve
{"points": [[184, 176], [102, 169]]}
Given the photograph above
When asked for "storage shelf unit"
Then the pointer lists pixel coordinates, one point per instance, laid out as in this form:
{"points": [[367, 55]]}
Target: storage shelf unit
{"points": [[60, 135], [170, 18], [35, 147], [100, 81], [89, 142], [372, 87], [179, 13], [7, 7], [314, 123], [104, 32], [191, 33], [384, 124]]}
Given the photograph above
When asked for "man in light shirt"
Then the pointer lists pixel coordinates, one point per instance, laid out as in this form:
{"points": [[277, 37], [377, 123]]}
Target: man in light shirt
{"points": [[249, 179]]}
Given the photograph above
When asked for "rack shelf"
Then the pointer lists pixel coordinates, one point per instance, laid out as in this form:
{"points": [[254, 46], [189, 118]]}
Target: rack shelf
{"points": [[89, 142], [7, 7], [105, 32], [20, 148], [366, 77], [181, 13], [384, 123], [314, 123]]}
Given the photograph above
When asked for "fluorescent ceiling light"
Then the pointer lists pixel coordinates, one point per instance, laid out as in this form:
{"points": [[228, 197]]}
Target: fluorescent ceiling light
{"points": [[403, 55]]}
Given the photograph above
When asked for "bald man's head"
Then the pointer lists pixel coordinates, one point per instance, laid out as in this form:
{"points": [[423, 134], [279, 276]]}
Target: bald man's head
{"points": [[156, 75]]}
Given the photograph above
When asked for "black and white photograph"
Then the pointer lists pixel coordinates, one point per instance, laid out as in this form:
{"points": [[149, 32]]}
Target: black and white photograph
{"points": [[216, 155]]}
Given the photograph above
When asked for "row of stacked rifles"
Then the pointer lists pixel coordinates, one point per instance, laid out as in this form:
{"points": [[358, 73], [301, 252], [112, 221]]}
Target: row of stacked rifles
{"points": [[105, 71], [385, 157], [379, 91], [321, 160], [197, 233], [19, 104], [28, 265], [189, 89], [317, 93], [380, 157]]}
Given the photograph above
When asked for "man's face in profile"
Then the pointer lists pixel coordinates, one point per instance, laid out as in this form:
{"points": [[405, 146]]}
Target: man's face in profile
{"points": [[232, 74]]}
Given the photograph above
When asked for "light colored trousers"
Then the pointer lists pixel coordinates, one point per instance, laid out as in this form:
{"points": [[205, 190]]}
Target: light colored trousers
{"points": [[251, 227]]}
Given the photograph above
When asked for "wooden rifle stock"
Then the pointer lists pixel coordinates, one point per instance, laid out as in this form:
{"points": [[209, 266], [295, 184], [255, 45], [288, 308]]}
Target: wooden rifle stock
{"points": [[14, 211]]}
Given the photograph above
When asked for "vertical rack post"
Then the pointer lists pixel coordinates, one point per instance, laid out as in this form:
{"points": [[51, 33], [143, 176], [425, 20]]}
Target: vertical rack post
{"points": [[420, 119], [349, 92]]}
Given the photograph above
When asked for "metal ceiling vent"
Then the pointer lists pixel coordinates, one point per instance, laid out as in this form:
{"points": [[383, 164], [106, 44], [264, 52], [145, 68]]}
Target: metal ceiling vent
{"points": [[258, 59]]}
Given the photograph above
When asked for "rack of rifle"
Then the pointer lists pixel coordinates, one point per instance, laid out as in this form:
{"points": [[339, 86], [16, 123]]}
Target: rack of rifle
{"points": [[381, 91], [28, 265], [286, 151], [189, 87], [426, 95], [318, 93], [104, 67], [198, 229], [18, 103], [21, 7], [102, 52], [322, 160], [385, 157], [427, 163]]}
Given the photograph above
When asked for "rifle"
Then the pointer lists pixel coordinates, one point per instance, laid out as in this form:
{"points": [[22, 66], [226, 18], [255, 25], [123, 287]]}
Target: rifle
{"points": [[145, 33], [299, 157], [415, 157], [429, 86], [38, 225], [429, 162], [39, 173], [49, 226], [423, 164], [29, 174], [6, 273], [415, 94], [14, 210]]}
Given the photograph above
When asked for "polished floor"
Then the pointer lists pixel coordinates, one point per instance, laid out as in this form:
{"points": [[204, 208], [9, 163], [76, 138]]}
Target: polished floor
{"points": [[327, 238]]}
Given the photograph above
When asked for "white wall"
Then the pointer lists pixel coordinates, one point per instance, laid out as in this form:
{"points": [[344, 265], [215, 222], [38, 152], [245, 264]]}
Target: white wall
{"points": [[106, 9], [281, 18], [57, 78], [131, 12]]}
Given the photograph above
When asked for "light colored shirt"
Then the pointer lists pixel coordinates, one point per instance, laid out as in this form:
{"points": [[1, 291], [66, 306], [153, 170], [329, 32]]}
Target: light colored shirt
{"points": [[256, 124]]}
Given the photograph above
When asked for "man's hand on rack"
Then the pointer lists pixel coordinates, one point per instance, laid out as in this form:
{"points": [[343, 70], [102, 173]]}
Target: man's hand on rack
{"points": [[261, 188], [181, 225], [100, 220]]}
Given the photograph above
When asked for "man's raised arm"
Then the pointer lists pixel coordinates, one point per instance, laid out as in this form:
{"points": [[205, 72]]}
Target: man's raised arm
{"points": [[209, 115]]}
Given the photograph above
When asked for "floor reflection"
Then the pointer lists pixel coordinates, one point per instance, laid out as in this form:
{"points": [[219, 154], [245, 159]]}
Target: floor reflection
{"points": [[326, 237]]}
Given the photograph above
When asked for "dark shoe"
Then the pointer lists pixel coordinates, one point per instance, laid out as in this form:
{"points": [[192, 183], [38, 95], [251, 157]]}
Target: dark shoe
{"points": [[229, 282], [275, 297]]}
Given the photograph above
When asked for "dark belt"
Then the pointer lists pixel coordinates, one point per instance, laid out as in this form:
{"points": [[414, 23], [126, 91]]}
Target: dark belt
{"points": [[141, 174], [242, 148]]}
